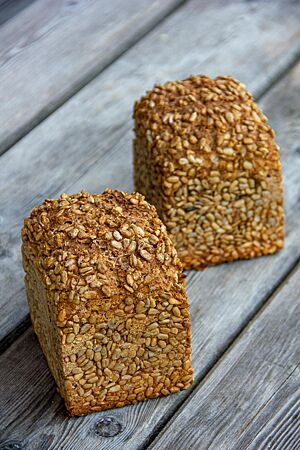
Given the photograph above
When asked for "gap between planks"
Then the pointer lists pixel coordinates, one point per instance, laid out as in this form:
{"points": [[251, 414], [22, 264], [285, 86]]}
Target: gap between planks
{"points": [[260, 84], [247, 321], [16, 135], [20, 329], [289, 61], [264, 310], [9, 9], [199, 380]]}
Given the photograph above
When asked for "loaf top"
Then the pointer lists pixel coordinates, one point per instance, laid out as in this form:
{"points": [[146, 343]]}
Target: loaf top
{"points": [[100, 249], [210, 124]]}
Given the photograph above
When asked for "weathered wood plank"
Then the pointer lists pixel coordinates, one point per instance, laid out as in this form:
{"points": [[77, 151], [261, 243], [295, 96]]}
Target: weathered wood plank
{"points": [[222, 301], [86, 144], [9, 8], [254, 389], [212, 332], [54, 47], [278, 424]]}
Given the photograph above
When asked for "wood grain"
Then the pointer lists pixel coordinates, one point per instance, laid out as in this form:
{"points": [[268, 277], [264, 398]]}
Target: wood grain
{"points": [[9, 8], [222, 300], [79, 148], [252, 398], [54, 47], [278, 424], [86, 144]]}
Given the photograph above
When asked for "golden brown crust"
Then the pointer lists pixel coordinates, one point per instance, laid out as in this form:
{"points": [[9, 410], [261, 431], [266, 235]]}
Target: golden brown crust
{"points": [[205, 156], [115, 294]]}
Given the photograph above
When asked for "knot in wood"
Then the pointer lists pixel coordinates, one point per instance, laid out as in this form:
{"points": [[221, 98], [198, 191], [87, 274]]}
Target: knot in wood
{"points": [[108, 427]]}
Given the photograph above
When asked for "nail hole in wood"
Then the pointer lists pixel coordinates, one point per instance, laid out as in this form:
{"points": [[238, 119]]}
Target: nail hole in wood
{"points": [[108, 427]]}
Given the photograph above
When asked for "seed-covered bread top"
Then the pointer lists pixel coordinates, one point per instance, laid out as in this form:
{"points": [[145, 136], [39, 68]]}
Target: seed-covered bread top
{"points": [[94, 251], [215, 125], [205, 156]]}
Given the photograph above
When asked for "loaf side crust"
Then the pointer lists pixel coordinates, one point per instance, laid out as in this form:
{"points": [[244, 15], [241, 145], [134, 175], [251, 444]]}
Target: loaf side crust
{"points": [[104, 281], [205, 156]]}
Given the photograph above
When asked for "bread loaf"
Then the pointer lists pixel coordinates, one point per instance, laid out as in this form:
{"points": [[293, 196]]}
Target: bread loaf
{"points": [[205, 156], [107, 300]]}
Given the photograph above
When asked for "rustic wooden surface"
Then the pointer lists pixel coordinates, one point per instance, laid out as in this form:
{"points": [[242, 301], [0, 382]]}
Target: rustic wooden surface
{"points": [[91, 133], [54, 47], [248, 396], [255, 381]]}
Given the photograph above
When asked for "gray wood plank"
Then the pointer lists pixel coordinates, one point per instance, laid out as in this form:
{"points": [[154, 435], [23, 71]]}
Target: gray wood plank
{"points": [[9, 8], [222, 300], [86, 144], [252, 398], [278, 424], [54, 47]]}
